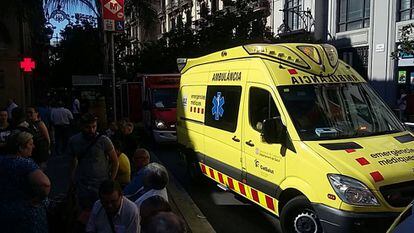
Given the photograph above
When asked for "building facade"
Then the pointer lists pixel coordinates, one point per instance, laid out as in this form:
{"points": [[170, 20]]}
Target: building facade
{"points": [[21, 37], [365, 32], [170, 15]]}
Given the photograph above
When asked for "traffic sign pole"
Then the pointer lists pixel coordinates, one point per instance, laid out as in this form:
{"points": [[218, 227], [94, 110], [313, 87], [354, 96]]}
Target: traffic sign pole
{"points": [[113, 74], [113, 21]]}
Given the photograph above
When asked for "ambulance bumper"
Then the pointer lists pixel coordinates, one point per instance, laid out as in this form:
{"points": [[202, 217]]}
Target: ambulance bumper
{"points": [[334, 220], [161, 136]]}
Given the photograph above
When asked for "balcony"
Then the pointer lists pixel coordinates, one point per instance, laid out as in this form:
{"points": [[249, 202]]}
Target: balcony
{"points": [[177, 4], [262, 7]]}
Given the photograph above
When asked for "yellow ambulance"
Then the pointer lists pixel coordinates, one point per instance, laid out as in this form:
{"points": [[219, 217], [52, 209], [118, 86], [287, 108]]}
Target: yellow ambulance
{"points": [[298, 132]]}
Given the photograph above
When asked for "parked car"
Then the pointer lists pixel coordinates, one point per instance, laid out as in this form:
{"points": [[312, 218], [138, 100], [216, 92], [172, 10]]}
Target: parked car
{"points": [[405, 222]]}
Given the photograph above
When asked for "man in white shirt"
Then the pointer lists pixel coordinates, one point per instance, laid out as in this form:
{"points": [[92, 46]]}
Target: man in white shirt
{"points": [[113, 213], [76, 106], [61, 118], [10, 106]]}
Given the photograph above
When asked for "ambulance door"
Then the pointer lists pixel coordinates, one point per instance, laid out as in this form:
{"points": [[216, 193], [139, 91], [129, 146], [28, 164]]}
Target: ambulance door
{"points": [[264, 163], [223, 130]]}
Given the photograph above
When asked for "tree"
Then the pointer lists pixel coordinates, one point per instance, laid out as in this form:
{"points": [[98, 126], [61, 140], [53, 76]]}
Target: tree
{"points": [[78, 53], [144, 9]]}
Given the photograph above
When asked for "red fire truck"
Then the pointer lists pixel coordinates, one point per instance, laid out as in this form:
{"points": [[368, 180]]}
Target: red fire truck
{"points": [[153, 99]]}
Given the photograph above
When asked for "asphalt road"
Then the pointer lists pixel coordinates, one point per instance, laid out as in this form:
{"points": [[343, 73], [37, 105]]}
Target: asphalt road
{"points": [[225, 211]]}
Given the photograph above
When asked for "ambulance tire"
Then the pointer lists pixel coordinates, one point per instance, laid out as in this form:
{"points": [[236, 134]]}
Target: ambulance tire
{"points": [[299, 216], [193, 168]]}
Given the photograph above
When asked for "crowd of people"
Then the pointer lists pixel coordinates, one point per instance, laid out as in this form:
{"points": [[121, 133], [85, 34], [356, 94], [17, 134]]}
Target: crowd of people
{"points": [[115, 186]]}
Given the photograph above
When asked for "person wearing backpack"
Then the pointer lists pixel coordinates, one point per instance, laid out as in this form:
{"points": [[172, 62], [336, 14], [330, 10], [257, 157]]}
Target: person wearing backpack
{"points": [[93, 161], [41, 152]]}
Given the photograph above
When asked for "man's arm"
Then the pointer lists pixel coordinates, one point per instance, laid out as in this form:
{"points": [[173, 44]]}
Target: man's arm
{"points": [[44, 131], [73, 164], [114, 163]]}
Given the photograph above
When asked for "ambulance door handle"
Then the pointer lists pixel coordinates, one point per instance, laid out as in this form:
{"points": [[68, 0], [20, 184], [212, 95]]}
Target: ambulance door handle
{"points": [[236, 139], [250, 143]]}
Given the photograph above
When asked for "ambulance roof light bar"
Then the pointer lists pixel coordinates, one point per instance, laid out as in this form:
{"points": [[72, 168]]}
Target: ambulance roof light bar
{"points": [[290, 56], [181, 62], [331, 53], [277, 51]]}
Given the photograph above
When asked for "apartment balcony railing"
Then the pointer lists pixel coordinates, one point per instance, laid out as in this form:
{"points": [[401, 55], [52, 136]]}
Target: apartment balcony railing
{"points": [[177, 4], [262, 6]]}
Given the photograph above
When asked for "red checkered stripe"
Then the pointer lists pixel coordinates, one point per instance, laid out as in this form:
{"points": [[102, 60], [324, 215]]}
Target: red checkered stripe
{"points": [[362, 161], [197, 110], [250, 193]]}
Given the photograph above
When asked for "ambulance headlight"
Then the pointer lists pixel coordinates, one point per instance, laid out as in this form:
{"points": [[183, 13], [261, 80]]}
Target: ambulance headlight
{"points": [[160, 124], [352, 191]]}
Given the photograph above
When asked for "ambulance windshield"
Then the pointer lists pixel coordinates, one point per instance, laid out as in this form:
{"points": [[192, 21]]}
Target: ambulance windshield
{"points": [[334, 111], [165, 97]]}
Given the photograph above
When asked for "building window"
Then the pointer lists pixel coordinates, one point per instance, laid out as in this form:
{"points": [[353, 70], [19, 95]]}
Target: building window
{"points": [[214, 5], [406, 10], [189, 18], [172, 24], [180, 23], [291, 9], [353, 14], [222, 107]]}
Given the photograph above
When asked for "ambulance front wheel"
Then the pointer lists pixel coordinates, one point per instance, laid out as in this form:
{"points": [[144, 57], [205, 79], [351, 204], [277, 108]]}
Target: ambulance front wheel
{"points": [[298, 216]]}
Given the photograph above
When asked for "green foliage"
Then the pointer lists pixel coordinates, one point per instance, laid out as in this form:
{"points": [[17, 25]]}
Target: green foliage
{"points": [[406, 42], [239, 23], [77, 53]]}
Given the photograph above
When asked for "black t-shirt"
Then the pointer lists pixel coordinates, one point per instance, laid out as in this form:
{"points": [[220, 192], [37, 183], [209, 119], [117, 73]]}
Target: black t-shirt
{"points": [[4, 134]]}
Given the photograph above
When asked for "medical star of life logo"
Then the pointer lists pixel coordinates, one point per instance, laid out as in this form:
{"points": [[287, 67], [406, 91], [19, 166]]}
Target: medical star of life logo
{"points": [[217, 110], [113, 6]]}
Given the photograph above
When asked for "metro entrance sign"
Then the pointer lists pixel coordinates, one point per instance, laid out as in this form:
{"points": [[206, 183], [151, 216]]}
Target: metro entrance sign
{"points": [[113, 15]]}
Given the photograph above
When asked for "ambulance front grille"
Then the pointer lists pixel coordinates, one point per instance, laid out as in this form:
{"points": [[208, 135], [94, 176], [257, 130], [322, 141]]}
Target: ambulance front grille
{"points": [[398, 195]]}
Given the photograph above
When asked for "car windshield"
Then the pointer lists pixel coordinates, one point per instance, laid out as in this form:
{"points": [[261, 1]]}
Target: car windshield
{"points": [[165, 97], [334, 111]]}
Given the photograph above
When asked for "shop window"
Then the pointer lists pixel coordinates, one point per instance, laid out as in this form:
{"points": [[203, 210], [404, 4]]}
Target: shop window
{"points": [[222, 107], [261, 107], [291, 18], [405, 10], [357, 58], [353, 14]]}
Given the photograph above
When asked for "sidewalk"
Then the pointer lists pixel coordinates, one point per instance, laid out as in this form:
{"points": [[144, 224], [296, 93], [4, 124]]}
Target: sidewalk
{"points": [[182, 204]]}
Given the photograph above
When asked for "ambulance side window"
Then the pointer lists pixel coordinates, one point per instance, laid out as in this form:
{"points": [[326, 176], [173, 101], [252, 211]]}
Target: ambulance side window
{"points": [[261, 107], [222, 107]]}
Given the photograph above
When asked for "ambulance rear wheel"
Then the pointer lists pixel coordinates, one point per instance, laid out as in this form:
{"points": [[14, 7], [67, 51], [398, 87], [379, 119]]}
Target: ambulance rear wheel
{"points": [[193, 168], [298, 216]]}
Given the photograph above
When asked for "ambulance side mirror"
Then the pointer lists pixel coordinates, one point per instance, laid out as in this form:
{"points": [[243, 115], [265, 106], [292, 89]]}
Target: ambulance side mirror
{"points": [[273, 130]]}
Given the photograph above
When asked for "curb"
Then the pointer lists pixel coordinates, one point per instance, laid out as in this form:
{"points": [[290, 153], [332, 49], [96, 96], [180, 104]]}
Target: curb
{"points": [[185, 206]]}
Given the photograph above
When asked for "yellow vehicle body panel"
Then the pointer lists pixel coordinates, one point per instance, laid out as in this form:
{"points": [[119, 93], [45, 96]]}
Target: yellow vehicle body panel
{"points": [[235, 154]]}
